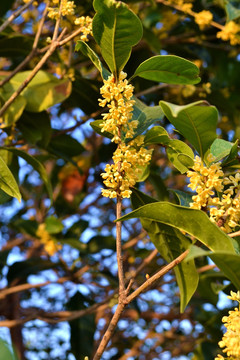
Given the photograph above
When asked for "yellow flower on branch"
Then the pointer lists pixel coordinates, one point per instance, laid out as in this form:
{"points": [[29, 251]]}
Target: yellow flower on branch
{"points": [[230, 32], [203, 18], [123, 173], [49, 244], [231, 339]]}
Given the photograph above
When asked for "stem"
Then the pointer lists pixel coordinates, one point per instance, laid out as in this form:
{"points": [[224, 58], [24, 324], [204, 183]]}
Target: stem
{"points": [[14, 15], [32, 53], [108, 334], [119, 250]]}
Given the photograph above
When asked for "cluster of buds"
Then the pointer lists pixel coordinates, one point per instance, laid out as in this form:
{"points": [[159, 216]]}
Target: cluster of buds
{"points": [[128, 158], [223, 209], [230, 342]]}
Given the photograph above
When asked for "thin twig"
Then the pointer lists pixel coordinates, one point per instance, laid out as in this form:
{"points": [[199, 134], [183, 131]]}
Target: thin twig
{"points": [[157, 276], [32, 53], [237, 233], [14, 15], [38, 67]]}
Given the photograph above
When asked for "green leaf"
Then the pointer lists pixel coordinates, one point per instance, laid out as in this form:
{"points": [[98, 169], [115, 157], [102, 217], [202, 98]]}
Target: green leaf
{"points": [[184, 198], [7, 181], [36, 165], [226, 261], [194, 222], [44, 91], [145, 115], [96, 127], [232, 157], [231, 11], [36, 128], [175, 148], [82, 329], [116, 29], [64, 146], [87, 51], [15, 110], [156, 135], [196, 122], [168, 69], [170, 243], [5, 351], [159, 186], [220, 148], [53, 225]]}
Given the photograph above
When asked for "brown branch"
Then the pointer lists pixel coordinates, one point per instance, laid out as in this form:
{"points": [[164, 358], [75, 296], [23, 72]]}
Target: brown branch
{"points": [[38, 67], [157, 276], [237, 233], [32, 53], [14, 15], [108, 334]]}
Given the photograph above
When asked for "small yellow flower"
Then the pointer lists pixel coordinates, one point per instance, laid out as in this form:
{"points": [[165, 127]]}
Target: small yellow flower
{"points": [[230, 32], [203, 18]]}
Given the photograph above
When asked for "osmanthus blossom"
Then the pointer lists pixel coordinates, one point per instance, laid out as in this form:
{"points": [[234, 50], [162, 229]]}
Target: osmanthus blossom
{"points": [[217, 195], [128, 158], [230, 342]]}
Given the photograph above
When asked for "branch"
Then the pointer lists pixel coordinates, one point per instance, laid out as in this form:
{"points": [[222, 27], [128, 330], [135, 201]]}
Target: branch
{"points": [[32, 53], [38, 67], [14, 15], [157, 276]]}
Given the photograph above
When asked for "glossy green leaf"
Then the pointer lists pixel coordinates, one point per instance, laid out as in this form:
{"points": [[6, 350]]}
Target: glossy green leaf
{"points": [[194, 222], [161, 190], [36, 166], [226, 261], [170, 243], [168, 69], [196, 122], [44, 91], [7, 181], [156, 135], [175, 148], [184, 198], [232, 12], [220, 148], [116, 29], [87, 51]]}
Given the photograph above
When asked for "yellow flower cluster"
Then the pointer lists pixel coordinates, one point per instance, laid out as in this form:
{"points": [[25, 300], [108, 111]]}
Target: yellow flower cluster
{"points": [[50, 246], [231, 339], [185, 5], [67, 9], [204, 180], [203, 18], [118, 97], [223, 210], [226, 211], [230, 32], [86, 25], [127, 159], [124, 171]]}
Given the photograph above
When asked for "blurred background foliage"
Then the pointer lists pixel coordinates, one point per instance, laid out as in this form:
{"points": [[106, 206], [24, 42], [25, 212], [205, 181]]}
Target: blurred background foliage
{"points": [[58, 264]]}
